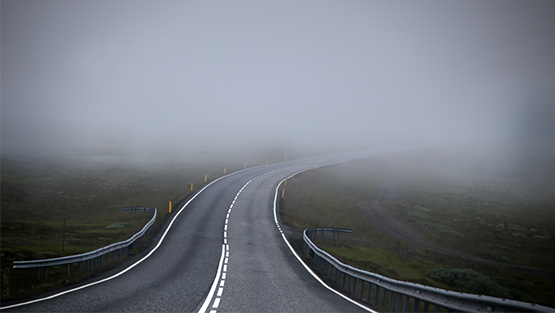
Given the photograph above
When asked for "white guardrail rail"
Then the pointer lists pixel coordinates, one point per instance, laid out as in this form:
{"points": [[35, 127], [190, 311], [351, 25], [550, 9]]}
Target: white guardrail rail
{"points": [[93, 259], [400, 296]]}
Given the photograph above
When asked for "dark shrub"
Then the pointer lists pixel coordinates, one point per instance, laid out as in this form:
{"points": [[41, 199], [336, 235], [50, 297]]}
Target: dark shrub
{"points": [[466, 280]]}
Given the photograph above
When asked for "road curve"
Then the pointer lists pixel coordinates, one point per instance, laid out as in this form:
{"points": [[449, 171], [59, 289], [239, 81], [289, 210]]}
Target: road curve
{"points": [[222, 253]]}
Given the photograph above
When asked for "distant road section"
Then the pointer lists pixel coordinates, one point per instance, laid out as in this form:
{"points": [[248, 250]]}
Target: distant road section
{"points": [[222, 253]]}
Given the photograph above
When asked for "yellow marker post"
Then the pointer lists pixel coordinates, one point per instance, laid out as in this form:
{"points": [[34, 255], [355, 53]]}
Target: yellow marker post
{"points": [[245, 165], [285, 158], [282, 193], [266, 162], [191, 186], [224, 170], [205, 177], [284, 183], [170, 206], [304, 169]]}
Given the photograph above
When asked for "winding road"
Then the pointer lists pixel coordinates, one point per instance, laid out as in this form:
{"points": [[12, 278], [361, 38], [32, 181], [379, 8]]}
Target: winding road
{"points": [[222, 252]]}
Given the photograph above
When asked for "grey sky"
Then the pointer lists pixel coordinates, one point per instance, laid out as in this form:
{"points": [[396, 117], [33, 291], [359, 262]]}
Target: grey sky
{"points": [[176, 73]]}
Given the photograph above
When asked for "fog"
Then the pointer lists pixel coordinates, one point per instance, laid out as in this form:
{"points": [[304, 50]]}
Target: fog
{"points": [[190, 74]]}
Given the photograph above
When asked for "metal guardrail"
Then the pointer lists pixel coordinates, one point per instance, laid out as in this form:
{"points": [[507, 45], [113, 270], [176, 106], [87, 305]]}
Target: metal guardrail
{"points": [[94, 258], [400, 296]]}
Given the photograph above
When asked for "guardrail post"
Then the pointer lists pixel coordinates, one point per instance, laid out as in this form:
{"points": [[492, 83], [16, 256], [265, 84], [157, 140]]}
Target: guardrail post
{"points": [[426, 307], [68, 269], [416, 305], [340, 278], [343, 279], [406, 304], [377, 295], [46, 273], [349, 284], [398, 304], [369, 295], [361, 288], [38, 274], [390, 302]]}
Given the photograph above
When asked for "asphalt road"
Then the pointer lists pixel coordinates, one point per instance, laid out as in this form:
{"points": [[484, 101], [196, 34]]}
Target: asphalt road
{"points": [[223, 253]]}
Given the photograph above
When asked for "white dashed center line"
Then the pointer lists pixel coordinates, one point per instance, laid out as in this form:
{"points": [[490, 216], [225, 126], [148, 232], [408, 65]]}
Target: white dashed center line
{"points": [[222, 274], [215, 297]]}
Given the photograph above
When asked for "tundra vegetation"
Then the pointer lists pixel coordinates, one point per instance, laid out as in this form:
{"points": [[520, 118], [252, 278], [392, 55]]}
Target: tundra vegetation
{"points": [[472, 223]]}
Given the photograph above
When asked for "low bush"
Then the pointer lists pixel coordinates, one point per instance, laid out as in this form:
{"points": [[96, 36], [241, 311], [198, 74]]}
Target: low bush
{"points": [[466, 280]]}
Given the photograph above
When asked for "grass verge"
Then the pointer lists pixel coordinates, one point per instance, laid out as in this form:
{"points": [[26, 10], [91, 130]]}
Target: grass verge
{"points": [[414, 212]]}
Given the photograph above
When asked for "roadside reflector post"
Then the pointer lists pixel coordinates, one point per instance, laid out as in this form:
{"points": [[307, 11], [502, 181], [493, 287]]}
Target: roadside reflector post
{"points": [[224, 170], [245, 165], [191, 186], [170, 212], [282, 193], [205, 177]]}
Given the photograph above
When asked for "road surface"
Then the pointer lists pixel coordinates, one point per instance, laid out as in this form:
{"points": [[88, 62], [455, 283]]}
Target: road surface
{"points": [[223, 252]]}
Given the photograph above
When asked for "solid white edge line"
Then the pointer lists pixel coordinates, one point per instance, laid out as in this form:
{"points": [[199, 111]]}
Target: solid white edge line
{"points": [[214, 284], [152, 251], [302, 262], [132, 265]]}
